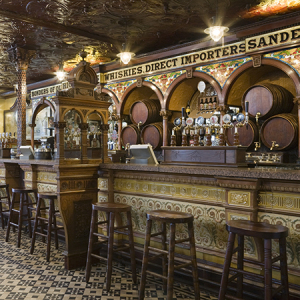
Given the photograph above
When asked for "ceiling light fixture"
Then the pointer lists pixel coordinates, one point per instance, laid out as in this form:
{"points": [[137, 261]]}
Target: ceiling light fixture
{"points": [[60, 73], [216, 32], [125, 56]]}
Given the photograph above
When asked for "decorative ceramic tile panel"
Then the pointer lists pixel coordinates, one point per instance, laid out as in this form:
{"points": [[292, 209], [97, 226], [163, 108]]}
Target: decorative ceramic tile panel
{"points": [[293, 240], [209, 222], [239, 198], [119, 88], [103, 184], [47, 177], [221, 72], [102, 197], [163, 81], [49, 188], [180, 191], [280, 201], [289, 56]]}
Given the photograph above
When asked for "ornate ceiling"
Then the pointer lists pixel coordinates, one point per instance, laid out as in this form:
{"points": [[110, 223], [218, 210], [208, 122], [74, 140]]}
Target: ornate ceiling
{"points": [[59, 29]]}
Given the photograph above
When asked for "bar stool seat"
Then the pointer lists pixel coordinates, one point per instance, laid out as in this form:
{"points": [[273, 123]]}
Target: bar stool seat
{"points": [[41, 221], [4, 203], [173, 218], [111, 210], [267, 232], [22, 211]]}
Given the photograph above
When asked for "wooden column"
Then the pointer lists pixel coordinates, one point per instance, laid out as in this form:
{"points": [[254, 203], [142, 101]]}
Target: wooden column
{"points": [[104, 129], [21, 58], [60, 140], [119, 118], [165, 114], [297, 102], [32, 134], [84, 129]]}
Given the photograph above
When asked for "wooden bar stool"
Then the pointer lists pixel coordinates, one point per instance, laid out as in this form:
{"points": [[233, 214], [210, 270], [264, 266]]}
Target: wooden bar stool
{"points": [[4, 203], [173, 218], [111, 209], [41, 221], [22, 211], [267, 232]]}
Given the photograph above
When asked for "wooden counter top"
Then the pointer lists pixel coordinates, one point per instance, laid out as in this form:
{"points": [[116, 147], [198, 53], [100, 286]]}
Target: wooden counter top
{"points": [[256, 173]]}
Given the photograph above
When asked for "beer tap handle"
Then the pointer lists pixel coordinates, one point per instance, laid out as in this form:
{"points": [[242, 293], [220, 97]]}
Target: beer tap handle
{"points": [[246, 113]]}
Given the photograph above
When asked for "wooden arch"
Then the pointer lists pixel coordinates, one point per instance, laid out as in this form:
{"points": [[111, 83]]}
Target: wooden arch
{"points": [[182, 78], [265, 61], [133, 86], [43, 103]]}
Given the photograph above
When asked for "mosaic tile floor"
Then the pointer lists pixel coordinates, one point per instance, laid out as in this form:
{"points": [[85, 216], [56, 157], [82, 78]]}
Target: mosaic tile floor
{"points": [[25, 276]]}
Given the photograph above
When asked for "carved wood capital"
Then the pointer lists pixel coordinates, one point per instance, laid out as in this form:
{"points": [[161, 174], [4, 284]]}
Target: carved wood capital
{"points": [[165, 114], [104, 127], [60, 125], [20, 57]]}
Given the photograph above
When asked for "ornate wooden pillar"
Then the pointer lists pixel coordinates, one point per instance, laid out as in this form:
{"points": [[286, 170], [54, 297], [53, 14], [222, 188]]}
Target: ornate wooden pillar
{"points": [[21, 58], [119, 118], [165, 114], [84, 129], [60, 140], [32, 134], [297, 102], [104, 129]]}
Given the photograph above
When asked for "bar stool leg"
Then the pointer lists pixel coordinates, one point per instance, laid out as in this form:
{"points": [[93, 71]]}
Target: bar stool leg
{"points": [[268, 268], [283, 268], [110, 250], [27, 203], [131, 245], [2, 219], [10, 218], [145, 260], [20, 220], [240, 265], [50, 217], [171, 261], [37, 214], [227, 263], [90, 246], [194, 260], [164, 258]]}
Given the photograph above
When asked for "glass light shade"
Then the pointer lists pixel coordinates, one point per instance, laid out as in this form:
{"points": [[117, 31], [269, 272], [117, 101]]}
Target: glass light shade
{"points": [[126, 57], [60, 74], [216, 32]]}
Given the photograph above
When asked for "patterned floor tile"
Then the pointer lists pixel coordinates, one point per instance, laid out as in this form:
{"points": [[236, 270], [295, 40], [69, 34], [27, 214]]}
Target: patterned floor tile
{"points": [[25, 277]]}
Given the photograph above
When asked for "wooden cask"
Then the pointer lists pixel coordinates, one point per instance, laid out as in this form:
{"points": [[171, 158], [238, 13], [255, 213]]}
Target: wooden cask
{"points": [[268, 99], [130, 134], [145, 111], [247, 137], [283, 129], [153, 134]]}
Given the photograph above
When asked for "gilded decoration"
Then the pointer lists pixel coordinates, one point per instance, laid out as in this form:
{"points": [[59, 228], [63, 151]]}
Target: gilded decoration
{"points": [[222, 71], [278, 201], [293, 240], [180, 191], [239, 198], [289, 56], [119, 88], [163, 81], [209, 222]]}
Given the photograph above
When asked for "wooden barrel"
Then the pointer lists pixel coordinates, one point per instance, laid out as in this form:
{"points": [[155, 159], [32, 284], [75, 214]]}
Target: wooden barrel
{"points": [[247, 137], [145, 111], [130, 134], [283, 129], [268, 99], [153, 134]]}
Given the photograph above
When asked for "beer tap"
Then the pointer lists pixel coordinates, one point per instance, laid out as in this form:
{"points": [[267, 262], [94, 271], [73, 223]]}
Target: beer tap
{"points": [[257, 144], [246, 113]]}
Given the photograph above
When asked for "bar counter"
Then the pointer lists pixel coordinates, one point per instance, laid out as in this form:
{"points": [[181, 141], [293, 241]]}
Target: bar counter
{"points": [[212, 194]]}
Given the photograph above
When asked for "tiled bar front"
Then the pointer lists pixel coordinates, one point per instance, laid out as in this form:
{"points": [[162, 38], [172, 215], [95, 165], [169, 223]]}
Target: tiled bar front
{"points": [[242, 193]]}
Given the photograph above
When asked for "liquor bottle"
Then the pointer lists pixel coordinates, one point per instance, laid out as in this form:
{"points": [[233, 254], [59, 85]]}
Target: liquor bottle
{"points": [[201, 105], [210, 104], [205, 104]]}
